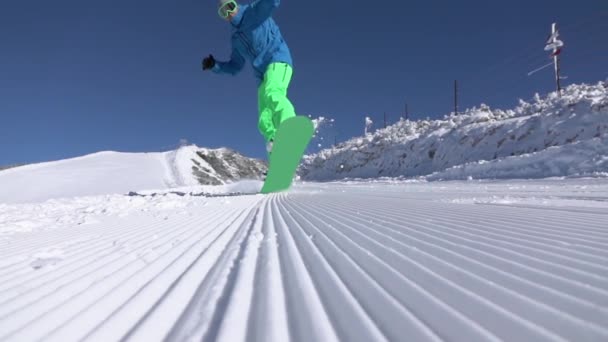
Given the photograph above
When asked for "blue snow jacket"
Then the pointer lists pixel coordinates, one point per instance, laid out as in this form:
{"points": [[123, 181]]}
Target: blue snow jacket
{"points": [[256, 37]]}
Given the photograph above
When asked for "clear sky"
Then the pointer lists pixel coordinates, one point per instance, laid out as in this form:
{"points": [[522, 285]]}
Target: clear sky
{"points": [[77, 77]]}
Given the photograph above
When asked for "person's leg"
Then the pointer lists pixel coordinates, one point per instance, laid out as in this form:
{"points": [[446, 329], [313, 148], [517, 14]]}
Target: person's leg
{"points": [[274, 105], [265, 124]]}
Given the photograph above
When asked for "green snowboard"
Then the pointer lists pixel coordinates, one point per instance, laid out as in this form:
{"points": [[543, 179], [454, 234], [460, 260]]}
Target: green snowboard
{"points": [[289, 145]]}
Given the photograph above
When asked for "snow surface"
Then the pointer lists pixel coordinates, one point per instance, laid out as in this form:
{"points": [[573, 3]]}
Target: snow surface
{"points": [[588, 157], [342, 261], [124, 246], [535, 140]]}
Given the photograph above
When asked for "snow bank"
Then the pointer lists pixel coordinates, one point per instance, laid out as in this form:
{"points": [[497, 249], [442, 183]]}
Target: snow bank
{"points": [[553, 136], [583, 158]]}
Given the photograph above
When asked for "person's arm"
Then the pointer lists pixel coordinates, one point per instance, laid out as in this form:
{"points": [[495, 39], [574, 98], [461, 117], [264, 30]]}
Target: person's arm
{"points": [[233, 67]]}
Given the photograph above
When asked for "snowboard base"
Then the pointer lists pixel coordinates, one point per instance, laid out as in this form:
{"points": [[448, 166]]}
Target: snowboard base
{"points": [[289, 146]]}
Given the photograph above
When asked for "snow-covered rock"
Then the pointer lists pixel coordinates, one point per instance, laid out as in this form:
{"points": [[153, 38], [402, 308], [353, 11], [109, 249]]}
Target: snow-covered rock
{"points": [[222, 166], [528, 141]]}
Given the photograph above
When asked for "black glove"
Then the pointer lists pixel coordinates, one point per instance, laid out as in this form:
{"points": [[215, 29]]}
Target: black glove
{"points": [[208, 62]]}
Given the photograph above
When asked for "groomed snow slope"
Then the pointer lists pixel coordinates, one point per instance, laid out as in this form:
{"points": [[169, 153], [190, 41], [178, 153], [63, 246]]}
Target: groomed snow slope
{"points": [[381, 261]]}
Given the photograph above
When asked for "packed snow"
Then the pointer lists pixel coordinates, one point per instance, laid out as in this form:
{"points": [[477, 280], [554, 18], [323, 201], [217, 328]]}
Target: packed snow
{"points": [[342, 261], [553, 136]]}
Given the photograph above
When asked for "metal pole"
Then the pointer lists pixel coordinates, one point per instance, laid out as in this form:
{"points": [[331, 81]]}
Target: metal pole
{"points": [[456, 97], [407, 113], [556, 59], [384, 119]]}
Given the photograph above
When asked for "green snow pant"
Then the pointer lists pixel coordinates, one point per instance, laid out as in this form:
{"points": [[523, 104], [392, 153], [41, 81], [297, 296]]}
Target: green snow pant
{"points": [[273, 105]]}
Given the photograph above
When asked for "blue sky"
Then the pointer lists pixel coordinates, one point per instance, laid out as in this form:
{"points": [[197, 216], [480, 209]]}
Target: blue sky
{"points": [[77, 77]]}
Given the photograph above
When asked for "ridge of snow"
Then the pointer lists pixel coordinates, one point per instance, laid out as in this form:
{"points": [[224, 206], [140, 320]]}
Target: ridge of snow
{"points": [[425, 147], [581, 158]]}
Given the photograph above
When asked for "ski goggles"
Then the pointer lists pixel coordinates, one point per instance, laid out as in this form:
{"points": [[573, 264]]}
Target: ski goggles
{"points": [[227, 8]]}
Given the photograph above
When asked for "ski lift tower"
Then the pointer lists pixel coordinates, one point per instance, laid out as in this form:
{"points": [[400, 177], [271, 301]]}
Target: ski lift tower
{"points": [[555, 45]]}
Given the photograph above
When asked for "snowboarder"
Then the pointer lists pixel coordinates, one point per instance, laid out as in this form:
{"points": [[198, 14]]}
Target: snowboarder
{"points": [[257, 38]]}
